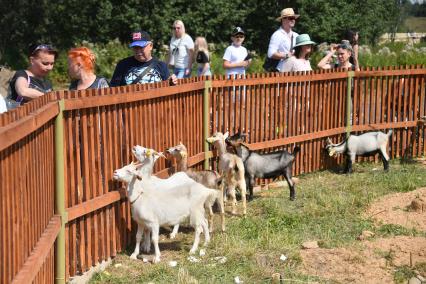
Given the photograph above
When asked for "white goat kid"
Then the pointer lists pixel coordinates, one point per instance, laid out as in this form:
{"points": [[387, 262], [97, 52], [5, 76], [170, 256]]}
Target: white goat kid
{"points": [[152, 208], [231, 168], [366, 144], [210, 179]]}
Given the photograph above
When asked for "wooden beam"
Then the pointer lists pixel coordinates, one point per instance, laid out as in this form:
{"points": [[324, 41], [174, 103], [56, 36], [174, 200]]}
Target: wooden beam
{"points": [[95, 204], [121, 98], [40, 252], [329, 132], [21, 128]]}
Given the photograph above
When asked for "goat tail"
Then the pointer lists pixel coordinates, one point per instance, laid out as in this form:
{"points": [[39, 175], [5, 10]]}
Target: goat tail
{"points": [[389, 132], [296, 150]]}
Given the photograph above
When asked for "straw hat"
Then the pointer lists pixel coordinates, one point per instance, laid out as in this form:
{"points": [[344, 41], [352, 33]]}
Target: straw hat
{"points": [[287, 12], [303, 39]]}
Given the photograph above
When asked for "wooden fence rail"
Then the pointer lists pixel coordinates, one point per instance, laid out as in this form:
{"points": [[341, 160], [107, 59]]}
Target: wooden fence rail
{"points": [[101, 126]]}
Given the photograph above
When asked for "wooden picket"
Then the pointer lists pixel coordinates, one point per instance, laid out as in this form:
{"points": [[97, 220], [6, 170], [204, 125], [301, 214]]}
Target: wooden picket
{"points": [[277, 111]]}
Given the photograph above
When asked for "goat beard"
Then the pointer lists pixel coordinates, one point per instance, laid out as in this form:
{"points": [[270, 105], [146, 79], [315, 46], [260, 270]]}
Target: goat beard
{"points": [[331, 153]]}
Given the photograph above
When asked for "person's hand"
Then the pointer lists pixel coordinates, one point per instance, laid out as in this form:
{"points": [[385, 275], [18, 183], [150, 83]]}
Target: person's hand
{"points": [[333, 47], [187, 71], [173, 79]]}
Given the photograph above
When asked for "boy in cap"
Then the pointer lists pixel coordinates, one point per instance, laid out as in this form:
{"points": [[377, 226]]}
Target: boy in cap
{"points": [[283, 40], [236, 58], [141, 68]]}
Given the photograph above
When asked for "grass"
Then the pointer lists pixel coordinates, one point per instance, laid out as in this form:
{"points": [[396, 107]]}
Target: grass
{"points": [[415, 24], [328, 209]]}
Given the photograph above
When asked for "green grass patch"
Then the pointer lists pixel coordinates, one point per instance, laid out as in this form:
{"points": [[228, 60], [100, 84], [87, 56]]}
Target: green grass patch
{"points": [[415, 24]]}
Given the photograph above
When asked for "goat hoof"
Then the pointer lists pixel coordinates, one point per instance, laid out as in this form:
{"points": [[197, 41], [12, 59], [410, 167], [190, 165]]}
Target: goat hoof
{"points": [[192, 251], [134, 256], [172, 236], [156, 259]]}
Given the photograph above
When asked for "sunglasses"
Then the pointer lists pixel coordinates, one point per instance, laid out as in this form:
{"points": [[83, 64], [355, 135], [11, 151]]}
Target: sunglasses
{"points": [[239, 36], [47, 47], [291, 18]]}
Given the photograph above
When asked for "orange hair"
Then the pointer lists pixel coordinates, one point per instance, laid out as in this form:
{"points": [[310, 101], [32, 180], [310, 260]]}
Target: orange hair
{"points": [[87, 57]]}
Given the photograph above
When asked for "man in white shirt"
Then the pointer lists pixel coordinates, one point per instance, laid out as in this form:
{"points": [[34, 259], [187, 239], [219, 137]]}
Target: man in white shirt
{"points": [[283, 39]]}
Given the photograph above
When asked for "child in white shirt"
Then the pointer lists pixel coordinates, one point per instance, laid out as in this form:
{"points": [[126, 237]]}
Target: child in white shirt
{"points": [[236, 58]]}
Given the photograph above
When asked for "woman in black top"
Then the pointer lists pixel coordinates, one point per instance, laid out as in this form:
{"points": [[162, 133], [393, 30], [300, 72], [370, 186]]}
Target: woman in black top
{"points": [[81, 68], [202, 57], [32, 83]]}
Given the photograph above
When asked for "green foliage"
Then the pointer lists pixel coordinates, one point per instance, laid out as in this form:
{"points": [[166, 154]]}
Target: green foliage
{"points": [[326, 20], [65, 23], [403, 273]]}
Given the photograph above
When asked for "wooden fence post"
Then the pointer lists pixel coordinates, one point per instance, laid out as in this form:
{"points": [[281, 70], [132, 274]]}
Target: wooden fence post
{"points": [[349, 103], [206, 122], [60, 194]]}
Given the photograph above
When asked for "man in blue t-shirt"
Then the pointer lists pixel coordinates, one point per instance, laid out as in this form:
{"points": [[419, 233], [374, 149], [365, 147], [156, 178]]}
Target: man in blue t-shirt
{"points": [[141, 68]]}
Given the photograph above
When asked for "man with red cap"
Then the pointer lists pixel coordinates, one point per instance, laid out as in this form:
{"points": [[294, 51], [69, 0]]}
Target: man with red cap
{"points": [[142, 67]]}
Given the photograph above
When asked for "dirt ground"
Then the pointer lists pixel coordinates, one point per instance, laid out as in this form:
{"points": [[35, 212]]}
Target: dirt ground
{"points": [[375, 261]]}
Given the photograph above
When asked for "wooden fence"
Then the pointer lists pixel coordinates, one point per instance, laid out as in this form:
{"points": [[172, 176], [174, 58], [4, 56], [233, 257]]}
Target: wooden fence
{"points": [[90, 133]]}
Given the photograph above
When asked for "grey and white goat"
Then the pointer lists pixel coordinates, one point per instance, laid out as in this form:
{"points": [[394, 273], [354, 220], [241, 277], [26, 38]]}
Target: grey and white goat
{"points": [[270, 165], [365, 145]]}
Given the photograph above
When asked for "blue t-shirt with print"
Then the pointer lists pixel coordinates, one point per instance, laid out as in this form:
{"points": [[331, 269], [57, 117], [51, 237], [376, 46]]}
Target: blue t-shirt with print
{"points": [[128, 70]]}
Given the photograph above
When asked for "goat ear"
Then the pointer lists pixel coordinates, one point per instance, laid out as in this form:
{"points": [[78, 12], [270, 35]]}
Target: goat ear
{"points": [[226, 135], [329, 140], [180, 143]]}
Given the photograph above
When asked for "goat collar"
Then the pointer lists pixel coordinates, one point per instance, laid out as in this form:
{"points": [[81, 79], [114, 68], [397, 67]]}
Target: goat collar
{"points": [[137, 197]]}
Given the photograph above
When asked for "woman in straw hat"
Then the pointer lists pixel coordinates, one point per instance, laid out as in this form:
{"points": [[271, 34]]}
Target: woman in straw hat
{"points": [[302, 52], [283, 39]]}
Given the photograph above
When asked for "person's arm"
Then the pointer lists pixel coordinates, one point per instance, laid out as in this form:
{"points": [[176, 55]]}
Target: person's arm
{"points": [[324, 62], [355, 48], [22, 89], [274, 44], [205, 68], [191, 56], [227, 64]]}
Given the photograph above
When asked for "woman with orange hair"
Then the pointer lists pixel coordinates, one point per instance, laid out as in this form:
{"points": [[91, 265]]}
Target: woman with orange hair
{"points": [[81, 69]]}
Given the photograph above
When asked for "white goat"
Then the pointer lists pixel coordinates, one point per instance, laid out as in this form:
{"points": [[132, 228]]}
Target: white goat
{"points": [[210, 179], [149, 157], [231, 168], [152, 208], [366, 144]]}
